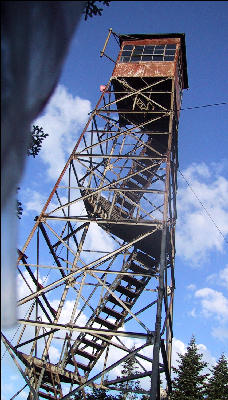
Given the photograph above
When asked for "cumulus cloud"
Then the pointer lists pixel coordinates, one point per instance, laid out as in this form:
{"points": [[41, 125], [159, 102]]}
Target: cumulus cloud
{"points": [[180, 348], [33, 201], [220, 332], [223, 276], [97, 239], [197, 234], [63, 119], [23, 395], [191, 287], [213, 302], [220, 278], [54, 354]]}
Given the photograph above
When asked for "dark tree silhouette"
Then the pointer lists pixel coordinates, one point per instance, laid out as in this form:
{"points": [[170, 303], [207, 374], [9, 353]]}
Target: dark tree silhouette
{"points": [[217, 386], [91, 8], [37, 137], [189, 382], [34, 147], [129, 368]]}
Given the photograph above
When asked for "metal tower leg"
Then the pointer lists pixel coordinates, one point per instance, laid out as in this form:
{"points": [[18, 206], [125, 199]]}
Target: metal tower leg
{"points": [[99, 277]]}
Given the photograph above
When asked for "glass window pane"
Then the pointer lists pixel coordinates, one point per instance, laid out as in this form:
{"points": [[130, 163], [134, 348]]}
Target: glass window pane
{"points": [[170, 52], [160, 47], [157, 58], [148, 51], [171, 46], [169, 58], [138, 51], [149, 47], [147, 57], [156, 51], [124, 59], [139, 48], [135, 58], [128, 47], [126, 53]]}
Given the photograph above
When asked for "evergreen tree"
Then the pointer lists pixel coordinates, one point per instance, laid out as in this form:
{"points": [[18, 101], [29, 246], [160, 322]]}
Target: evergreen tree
{"points": [[34, 147], [217, 387], [100, 394], [91, 8], [129, 368], [36, 139], [96, 394], [189, 382]]}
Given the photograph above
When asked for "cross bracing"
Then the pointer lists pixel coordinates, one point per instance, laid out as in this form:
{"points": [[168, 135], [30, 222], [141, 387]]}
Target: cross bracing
{"points": [[98, 266]]}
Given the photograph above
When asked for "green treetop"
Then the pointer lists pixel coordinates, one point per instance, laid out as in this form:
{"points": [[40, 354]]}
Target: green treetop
{"points": [[189, 382], [217, 387]]}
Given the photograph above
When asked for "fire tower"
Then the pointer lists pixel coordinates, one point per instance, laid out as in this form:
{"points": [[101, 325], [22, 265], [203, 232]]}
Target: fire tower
{"points": [[98, 265]]}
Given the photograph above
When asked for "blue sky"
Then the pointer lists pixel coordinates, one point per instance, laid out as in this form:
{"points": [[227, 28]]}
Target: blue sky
{"points": [[201, 299]]}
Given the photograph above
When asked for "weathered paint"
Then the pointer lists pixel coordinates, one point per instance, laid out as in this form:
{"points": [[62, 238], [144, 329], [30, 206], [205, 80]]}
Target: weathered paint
{"points": [[152, 68], [147, 68]]}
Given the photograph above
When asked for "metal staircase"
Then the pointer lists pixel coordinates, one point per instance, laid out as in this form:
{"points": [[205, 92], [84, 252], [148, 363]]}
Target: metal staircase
{"points": [[98, 265]]}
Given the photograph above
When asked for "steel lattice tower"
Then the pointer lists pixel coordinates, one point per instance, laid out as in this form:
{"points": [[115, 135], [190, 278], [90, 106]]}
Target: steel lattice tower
{"points": [[91, 300]]}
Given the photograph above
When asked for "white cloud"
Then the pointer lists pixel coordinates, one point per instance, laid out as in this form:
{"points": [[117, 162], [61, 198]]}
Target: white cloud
{"points": [[7, 387], [23, 395], [180, 347], [62, 119], [54, 354], [97, 239], [196, 233], [34, 201], [220, 278], [67, 311], [213, 303], [191, 287], [192, 313], [223, 275], [220, 332]]}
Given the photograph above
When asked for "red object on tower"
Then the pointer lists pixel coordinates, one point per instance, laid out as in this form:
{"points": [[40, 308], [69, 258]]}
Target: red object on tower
{"points": [[102, 88]]}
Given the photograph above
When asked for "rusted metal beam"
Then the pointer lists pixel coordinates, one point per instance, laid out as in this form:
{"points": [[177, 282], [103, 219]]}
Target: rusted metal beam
{"points": [[74, 328]]}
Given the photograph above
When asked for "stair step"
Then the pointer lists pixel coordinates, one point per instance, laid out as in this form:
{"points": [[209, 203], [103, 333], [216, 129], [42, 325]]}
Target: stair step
{"points": [[118, 213], [113, 300], [85, 354], [112, 312], [151, 152], [142, 181], [132, 280], [46, 396], [133, 196], [105, 323], [139, 270], [144, 259], [91, 343], [132, 185], [120, 200], [50, 388], [79, 364], [143, 164], [127, 292]]}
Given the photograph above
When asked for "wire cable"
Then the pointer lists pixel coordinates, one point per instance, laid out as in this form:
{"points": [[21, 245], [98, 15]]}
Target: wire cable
{"points": [[202, 205], [203, 106]]}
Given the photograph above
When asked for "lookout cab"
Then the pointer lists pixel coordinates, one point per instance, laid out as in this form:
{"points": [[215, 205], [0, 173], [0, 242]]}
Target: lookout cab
{"points": [[157, 64]]}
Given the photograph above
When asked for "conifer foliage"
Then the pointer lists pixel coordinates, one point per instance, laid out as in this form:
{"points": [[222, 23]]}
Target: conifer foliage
{"points": [[189, 382], [128, 387], [37, 135], [217, 387]]}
